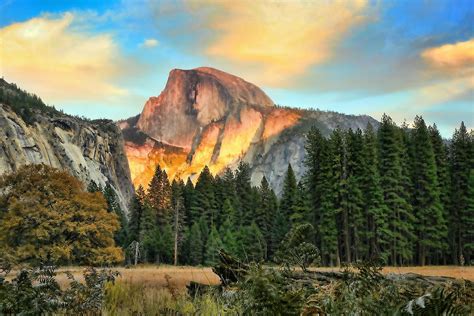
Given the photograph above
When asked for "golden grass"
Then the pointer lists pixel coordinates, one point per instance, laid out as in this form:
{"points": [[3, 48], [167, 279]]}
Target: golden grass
{"points": [[180, 276], [457, 272], [153, 276]]}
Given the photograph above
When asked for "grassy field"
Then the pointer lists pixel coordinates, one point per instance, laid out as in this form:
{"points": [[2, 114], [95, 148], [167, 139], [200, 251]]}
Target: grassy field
{"points": [[178, 277], [161, 290]]}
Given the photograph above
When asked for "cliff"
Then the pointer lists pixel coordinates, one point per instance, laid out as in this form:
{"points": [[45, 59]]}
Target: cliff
{"points": [[208, 117], [35, 133]]}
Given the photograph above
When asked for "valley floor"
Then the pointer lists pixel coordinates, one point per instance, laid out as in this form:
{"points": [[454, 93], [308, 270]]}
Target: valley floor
{"points": [[178, 277]]}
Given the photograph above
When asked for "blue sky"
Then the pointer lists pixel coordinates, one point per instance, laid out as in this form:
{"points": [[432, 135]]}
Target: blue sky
{"points": [[105, 58]]}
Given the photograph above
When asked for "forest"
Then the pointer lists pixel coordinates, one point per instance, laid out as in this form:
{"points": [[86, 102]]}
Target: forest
{"points": [[401, 194]]}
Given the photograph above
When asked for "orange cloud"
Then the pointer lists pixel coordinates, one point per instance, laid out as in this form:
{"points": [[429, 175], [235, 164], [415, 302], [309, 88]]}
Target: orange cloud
{"points": [[278, 40], [49, 57], [456, 55]]}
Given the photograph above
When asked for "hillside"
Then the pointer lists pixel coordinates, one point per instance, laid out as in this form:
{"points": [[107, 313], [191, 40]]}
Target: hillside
{"points": [[32, 132], [208, 117]]}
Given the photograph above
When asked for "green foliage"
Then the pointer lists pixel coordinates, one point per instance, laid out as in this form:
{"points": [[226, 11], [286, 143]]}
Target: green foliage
{"points": [[297, 249], [36, 292]]}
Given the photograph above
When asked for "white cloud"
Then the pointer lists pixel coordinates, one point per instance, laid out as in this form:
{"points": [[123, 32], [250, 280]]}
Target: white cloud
{"points": [[150, 42]]}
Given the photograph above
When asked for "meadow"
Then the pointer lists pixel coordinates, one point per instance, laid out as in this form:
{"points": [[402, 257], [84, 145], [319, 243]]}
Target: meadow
{"points": [[164, 276]]}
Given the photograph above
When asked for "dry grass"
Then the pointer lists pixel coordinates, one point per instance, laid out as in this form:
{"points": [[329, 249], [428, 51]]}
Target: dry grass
{"points": [[179, 277], [153, 276], [457, 272]]}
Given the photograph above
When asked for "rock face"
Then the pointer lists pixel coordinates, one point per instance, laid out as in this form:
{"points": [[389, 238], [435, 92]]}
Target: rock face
{"points": [[207, 117], [89, 150]]}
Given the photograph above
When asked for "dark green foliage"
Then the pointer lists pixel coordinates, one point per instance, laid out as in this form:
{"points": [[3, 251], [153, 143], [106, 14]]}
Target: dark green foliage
{"points": [[461, 163], [390, 194], [25, 104], [400, 218], [36, 292], [121, 236], [244, 194], [430, 224], [195, 245], [213, 245], [204, 203], [297, 249], [266, 209]]}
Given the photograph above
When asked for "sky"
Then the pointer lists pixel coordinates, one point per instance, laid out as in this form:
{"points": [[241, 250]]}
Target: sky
{"points": [[104, 59]]}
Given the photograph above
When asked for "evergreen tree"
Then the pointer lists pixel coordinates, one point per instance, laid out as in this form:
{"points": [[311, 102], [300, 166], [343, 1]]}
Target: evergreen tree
{"points": [[113, 206], [461, 163], [301, 208], [178, 213], [229, 213], [355, 200], [195, 245], [442, 172], [188, 196], [289, 196], [251, 244], [391, 176], [244, 194], [339, 193], [136, 212], [93, 187], [430, 225], [376, 211], [159, 196], [265, 213], [204, 202], [213, 245], [229, 238]]}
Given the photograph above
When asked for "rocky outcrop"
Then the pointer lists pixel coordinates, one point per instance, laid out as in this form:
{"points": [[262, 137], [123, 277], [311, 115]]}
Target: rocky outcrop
{"points": [[207, 117], [89, 150]]}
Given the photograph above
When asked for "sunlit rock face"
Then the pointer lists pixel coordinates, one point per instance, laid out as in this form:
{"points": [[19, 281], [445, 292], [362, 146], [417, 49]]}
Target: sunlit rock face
{"points": [[89, 150], [208, 117], [192, 100]]}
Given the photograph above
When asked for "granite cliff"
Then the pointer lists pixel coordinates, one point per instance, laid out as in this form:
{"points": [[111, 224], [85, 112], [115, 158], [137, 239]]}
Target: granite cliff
{"points": [[35, 133], [208, 117]]}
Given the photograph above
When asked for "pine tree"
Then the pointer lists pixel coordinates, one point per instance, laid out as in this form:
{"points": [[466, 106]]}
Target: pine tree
{"points": [[339, 192], [229, 213], [93, 187], [113, 206], [251, 244], [355, 199], [204, 201], [391, 175], [289, 196], [265, 213], [430, 225], [136, 213], [442, 171], [375, 209], [159, 196], [461, 163], [179, 221], [301, 208], [195, 245], [213, 245], [244, 193], [188, 195], [229, 237]]}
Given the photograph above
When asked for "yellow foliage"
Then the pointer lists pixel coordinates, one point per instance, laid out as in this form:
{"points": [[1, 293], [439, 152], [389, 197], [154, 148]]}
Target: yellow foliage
{"points": [[46, 214]]}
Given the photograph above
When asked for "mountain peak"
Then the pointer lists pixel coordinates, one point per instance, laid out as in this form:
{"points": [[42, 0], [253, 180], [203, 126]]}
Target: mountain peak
{"points": [[192, 99]]}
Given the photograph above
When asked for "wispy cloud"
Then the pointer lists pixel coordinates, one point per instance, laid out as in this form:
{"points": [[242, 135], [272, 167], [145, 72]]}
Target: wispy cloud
{"points": [[451, 56], [48, 56], [274, 42], [150, 42]]}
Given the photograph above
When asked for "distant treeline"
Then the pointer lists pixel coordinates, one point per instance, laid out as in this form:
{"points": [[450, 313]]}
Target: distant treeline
{"points": [[400, 194]]}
